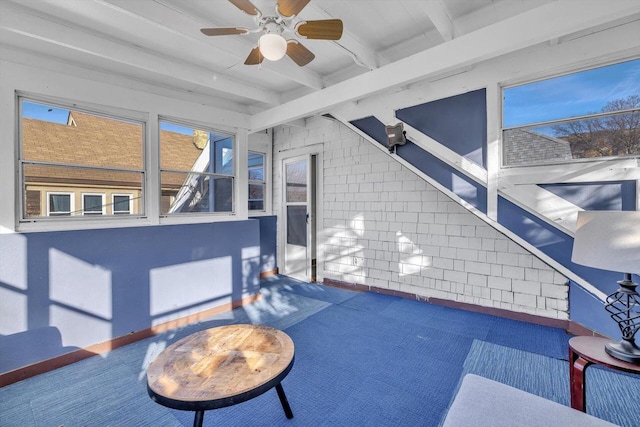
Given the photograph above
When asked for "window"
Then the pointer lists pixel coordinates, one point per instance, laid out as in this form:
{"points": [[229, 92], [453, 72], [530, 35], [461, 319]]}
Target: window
{"points": [[66, 151], [93, 204], [257, 183], [196, 170], [60, 204], [585, 115], [121, 204]]}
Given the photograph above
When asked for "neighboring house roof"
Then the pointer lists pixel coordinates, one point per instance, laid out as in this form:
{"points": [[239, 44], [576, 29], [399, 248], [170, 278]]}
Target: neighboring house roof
{"points": [[523, 146], [98, 141]]}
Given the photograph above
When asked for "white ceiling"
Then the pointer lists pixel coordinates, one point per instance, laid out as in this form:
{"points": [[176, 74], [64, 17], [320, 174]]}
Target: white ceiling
{"points": [[159, 43]]}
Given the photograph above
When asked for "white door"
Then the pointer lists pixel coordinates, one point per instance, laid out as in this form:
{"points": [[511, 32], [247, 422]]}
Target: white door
{"points": [[299, 217]]}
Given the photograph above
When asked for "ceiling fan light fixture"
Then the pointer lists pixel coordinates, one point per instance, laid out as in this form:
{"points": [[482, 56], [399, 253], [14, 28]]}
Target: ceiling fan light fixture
{"points": [[272, 46]]}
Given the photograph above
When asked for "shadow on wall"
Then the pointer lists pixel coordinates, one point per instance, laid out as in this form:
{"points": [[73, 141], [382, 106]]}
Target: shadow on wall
{"points": [[60, 291]]}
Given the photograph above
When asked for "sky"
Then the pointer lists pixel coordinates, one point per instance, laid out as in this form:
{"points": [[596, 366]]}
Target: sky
{"points": [[571, 95]]}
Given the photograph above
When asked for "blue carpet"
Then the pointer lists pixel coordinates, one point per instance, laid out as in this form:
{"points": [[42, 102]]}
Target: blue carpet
{"points": [[362, 359], [608, 392]]}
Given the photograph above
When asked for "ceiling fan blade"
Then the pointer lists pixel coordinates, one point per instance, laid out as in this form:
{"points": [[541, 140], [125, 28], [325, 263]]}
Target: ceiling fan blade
{"points": [[224, 31], [288, 8], [246, 6], [325, 29], [300, 54], [255, 57]]}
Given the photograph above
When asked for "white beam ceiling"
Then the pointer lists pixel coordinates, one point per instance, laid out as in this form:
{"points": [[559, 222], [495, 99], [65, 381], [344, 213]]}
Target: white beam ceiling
{"points": [[544, 23], [437, 12]]}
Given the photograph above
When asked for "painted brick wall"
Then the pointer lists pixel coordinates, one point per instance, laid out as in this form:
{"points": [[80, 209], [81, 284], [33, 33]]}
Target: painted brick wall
{"points": [[384, 226]]}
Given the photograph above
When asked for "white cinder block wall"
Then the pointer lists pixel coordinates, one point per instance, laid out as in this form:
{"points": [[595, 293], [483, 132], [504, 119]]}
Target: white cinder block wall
{"points": [[384, 226]]}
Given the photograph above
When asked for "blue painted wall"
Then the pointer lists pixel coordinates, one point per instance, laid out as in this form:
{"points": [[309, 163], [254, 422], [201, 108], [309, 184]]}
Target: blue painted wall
{"points": [[268, 242], [460, 184], [458, 122], [89, 286], [446, 121], [372, 127], [598, 196], [584, 307]]}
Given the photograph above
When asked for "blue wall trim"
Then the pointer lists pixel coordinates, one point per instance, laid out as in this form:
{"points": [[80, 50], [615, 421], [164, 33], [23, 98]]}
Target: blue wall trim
{"points": [[585, 308], [597, 196], [94, 285], [372, 127], [460, 184], [458, 122], [447, 176]]}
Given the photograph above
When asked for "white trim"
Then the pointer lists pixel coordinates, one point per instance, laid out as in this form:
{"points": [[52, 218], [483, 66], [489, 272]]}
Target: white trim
{"points": [[72, 204], [318, 151], [263, 182], [596, 171]]}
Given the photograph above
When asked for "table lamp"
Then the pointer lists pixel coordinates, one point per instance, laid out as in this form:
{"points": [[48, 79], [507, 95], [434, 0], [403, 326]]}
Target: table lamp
{"points": [[610, 240]]}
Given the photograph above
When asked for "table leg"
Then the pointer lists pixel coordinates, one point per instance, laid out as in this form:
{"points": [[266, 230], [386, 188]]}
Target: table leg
{"points": [[284, 401], [197, 420], [577, 381]]}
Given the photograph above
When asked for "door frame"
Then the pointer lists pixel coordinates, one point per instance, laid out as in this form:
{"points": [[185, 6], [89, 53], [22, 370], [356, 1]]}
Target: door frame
{"points": [[315, 150]]}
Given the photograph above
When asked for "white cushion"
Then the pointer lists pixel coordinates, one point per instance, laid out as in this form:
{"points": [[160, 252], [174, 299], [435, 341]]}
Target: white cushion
{"points": [[483, 402]]}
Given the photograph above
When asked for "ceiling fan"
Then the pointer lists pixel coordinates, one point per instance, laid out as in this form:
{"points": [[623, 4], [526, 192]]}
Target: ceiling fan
{"points": [[272, 45]]}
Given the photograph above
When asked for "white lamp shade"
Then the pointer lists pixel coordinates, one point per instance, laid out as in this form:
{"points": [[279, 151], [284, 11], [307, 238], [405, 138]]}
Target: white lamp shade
{"points": [[609, 240], [272, 46]]}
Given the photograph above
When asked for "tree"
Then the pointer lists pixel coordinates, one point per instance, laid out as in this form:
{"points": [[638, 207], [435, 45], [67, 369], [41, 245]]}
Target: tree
{"points": [[610, 135]]}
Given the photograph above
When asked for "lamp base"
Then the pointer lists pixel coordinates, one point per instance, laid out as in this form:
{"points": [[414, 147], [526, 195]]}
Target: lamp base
{"points": [[624, 350]]}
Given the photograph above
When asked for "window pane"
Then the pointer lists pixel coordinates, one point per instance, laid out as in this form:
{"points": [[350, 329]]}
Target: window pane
{"points": [[192, 161], [121, 205], [91, 153], [59, 204], [46, 178], [256, 174], [603, 89], [92, 204], [297, 181], [224, 156], [83, 139], [256, 196], [256, 166], [617, 135], [541, 124], [194, 192]]}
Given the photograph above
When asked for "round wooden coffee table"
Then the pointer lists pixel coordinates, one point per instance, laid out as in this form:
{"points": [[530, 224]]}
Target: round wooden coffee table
{"points": [[221, 367]]}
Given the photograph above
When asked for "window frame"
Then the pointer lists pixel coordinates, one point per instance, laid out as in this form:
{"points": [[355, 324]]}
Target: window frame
{"points": [[103, 205], [147, 204], [257, 182], [196, 125], [129, 196], [71, 195], [570, 162], [77, 219]]}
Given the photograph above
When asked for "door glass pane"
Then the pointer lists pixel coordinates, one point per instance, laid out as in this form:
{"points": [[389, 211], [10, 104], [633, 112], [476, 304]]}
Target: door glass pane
{"points": [[296, 178], [297, 225]]}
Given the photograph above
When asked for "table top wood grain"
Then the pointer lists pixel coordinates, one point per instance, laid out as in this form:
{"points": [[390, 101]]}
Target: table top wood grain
{"points": [[220, 366]]}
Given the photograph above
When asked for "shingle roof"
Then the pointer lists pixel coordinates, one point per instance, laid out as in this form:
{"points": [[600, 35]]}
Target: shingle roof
{"points": [[99, 141]]}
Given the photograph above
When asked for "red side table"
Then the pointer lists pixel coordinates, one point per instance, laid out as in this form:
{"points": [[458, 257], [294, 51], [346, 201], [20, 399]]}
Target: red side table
{"points": [[586, 351]]}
